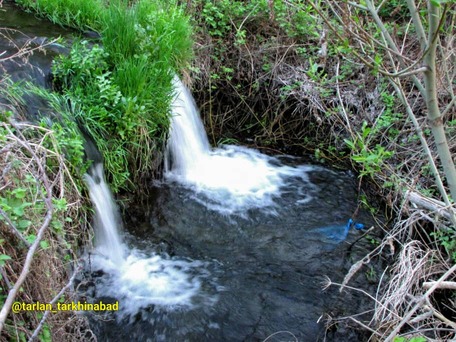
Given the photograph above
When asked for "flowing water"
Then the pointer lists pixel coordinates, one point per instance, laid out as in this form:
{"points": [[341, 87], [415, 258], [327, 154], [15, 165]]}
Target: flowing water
{"points": [[230, 179], [136, 279], [233, 245]]}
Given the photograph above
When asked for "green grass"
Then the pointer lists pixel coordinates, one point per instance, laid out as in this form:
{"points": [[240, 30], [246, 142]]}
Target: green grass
{"points": [[122, 88], [82, 14]]}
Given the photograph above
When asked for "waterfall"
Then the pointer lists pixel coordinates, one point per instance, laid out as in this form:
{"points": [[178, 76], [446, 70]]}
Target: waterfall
{"points": [[229, 179], [188, 144], [136, 278], [107, 219]]}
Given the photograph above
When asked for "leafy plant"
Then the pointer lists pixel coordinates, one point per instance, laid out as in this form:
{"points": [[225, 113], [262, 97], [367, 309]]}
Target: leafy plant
{"points": [[447, 239], [121, 92], [371, 159]]}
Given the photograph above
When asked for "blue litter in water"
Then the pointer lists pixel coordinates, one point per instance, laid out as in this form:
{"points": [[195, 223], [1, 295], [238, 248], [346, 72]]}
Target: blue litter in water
{"points": [[339, 233], [359, 226]]}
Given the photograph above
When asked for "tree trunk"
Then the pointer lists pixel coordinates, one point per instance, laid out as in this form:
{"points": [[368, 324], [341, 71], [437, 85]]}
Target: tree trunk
{"points": [[434, 115]]}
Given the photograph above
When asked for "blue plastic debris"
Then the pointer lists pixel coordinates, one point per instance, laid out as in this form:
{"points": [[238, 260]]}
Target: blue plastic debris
{"points": [[359, 226], [356, 225], [336, 234]]}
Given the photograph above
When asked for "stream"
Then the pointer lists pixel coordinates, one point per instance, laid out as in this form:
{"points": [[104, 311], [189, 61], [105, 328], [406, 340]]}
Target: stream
{"points": [[231, 245]]}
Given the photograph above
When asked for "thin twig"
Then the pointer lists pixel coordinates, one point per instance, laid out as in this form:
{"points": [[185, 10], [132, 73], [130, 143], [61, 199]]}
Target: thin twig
{"points": [[447, 285], [420, 302], [52, 302]]}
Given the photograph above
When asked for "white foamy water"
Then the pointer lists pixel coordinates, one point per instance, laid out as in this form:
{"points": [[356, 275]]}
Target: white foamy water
{"points": [[143, 280], [136, 279], [107, 218], [231, 179]]}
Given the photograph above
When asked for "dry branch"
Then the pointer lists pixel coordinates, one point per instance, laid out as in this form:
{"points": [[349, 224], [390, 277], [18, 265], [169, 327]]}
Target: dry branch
{"points": [[430, 204], [445, 285], [419, 303]]}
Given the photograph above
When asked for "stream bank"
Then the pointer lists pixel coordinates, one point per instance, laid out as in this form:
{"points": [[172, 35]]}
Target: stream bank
{"points": [[199, 251]]}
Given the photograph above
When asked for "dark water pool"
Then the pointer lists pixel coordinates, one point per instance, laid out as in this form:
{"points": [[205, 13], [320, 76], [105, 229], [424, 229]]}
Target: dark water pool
{"points": [[265, 271]]}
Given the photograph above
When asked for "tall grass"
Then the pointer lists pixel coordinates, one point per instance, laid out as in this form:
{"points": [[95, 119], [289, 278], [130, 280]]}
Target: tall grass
{"points": [[82, 14], [124, 87]]}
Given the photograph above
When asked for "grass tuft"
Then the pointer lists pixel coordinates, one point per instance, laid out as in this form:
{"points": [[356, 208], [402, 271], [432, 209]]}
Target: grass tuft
{"points": [[123, 88]]}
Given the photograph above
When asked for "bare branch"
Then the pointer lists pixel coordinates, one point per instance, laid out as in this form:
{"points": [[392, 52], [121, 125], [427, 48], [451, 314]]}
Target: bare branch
{"points": [[420, 302], [52, 302], [447, 285], [417, 24]]}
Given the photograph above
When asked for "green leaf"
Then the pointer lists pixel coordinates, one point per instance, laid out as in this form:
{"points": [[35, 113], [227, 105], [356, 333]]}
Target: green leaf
{"points": [[57, 225], [44, 244], [31, 238], [350, 144], [438, 3], [3, 258], [399, 339], [418, 339], [19, 193], [23, 224], [60, 204]]}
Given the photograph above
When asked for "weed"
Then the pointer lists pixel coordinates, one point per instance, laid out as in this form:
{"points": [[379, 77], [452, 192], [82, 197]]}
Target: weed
{"points": [[121, 92], [447, 239], [371, 159]]}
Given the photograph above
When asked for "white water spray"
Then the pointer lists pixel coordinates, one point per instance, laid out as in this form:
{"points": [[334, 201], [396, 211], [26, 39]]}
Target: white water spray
{"points": [[137, 279], [229, 179], [107, 218]]}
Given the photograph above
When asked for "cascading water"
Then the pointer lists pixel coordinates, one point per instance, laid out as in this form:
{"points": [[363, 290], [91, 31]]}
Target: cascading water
{"points": [[229, 179], [257, 276], [265, 273], [107, 219], [135, 278]]}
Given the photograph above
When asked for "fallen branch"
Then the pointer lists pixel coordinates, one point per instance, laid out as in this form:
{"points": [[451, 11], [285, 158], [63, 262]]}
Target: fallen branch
{"points": [[444, 285], [419, 304], [430, 204]]}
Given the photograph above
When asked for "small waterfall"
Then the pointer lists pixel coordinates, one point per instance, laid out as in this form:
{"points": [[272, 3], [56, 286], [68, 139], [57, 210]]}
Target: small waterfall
{"points": [[229, 179], [107, 218], [136, 278], [188, 143]]}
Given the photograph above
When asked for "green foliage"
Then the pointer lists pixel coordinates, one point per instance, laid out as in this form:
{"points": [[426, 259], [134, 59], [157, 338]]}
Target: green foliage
{"points": [[84, 14], [393, 9], [66, 138], [121, 92], [412, 339], [3, 259], [294, 18], [371, 159], [371, 275], [45, 334], [447, 239], [238, 22], [390, 117]]}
